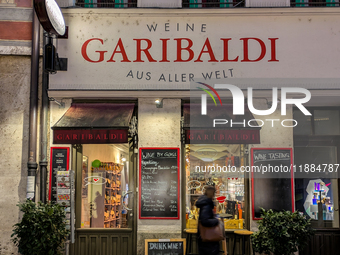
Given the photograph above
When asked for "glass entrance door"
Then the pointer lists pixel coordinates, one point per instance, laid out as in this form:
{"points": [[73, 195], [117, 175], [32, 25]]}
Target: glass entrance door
{"points": [[105, 182], [105, 203]]}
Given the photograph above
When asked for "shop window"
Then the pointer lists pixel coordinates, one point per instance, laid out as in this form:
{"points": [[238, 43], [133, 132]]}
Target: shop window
{"points": [[218, 165], [304, 126], [314, 192], [322, 122], [107, 3], [314, 3], [326, 122], [105, 180], [212, 3]]}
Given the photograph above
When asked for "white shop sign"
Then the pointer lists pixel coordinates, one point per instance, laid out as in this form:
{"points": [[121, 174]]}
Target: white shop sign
{"points": [[140, 52]]}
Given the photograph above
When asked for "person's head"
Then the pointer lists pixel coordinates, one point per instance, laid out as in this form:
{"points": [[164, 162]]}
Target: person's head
{"points": [[210, 191]]}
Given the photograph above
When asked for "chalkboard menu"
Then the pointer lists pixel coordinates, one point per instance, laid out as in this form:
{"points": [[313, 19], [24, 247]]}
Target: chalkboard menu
{"points": [[164, 246], [59, 162], [272, 180], [159, 183]]}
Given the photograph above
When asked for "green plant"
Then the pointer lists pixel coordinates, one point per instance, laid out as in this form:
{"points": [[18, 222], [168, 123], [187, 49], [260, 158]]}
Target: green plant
{"points": [[42, 229], [281, 233]]}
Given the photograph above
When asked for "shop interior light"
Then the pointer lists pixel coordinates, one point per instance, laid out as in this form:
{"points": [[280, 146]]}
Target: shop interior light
{"points": [[122, 158], [207, 159], [159, 103]]}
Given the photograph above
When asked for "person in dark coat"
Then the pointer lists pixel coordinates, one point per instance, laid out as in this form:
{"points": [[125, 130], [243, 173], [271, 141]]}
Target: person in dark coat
{"points": [[207, 219]]}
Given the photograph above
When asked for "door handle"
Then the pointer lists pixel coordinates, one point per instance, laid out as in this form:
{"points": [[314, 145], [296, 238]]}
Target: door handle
{"points": [[123, 202]]}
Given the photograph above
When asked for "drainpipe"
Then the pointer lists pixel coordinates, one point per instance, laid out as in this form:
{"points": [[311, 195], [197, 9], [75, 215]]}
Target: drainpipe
{"points": [[43, 127], [32, 140]]}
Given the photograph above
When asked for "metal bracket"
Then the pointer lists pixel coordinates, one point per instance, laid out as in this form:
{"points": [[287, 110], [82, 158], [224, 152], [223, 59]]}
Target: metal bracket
{"points": [[246, 150], [61, 64], [61, 103]]}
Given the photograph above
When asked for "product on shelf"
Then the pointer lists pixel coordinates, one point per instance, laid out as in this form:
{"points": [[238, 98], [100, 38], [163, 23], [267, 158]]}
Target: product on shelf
{"points": [[233, 224], [112, 193]]}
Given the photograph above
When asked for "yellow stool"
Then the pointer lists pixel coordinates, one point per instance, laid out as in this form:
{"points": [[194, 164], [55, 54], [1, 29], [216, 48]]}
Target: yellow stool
{"points": [[241, 234], [190, 233]]}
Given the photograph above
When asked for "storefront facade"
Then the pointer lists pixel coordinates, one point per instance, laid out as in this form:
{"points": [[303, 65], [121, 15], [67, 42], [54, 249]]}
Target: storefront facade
{"points": [[124, 60]]}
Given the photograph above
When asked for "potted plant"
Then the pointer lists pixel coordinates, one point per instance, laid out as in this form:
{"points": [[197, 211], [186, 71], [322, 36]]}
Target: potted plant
{"points": [[42, 229], [281, 233]]}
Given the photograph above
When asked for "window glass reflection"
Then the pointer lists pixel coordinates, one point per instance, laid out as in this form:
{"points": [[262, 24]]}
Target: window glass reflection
{"points": [[105, 180], [216, 165], [304, 126], [315, 195], [326, 122]]}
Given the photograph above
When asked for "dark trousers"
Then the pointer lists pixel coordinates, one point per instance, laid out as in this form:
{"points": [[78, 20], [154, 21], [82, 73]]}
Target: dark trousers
{"points": [[208, 248]]}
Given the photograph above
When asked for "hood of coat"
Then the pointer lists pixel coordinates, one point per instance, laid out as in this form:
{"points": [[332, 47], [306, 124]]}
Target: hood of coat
{"points": [[204, 200]]}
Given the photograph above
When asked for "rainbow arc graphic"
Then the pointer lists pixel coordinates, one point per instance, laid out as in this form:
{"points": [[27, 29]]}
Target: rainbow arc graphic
{"points": [[209, 93]]}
